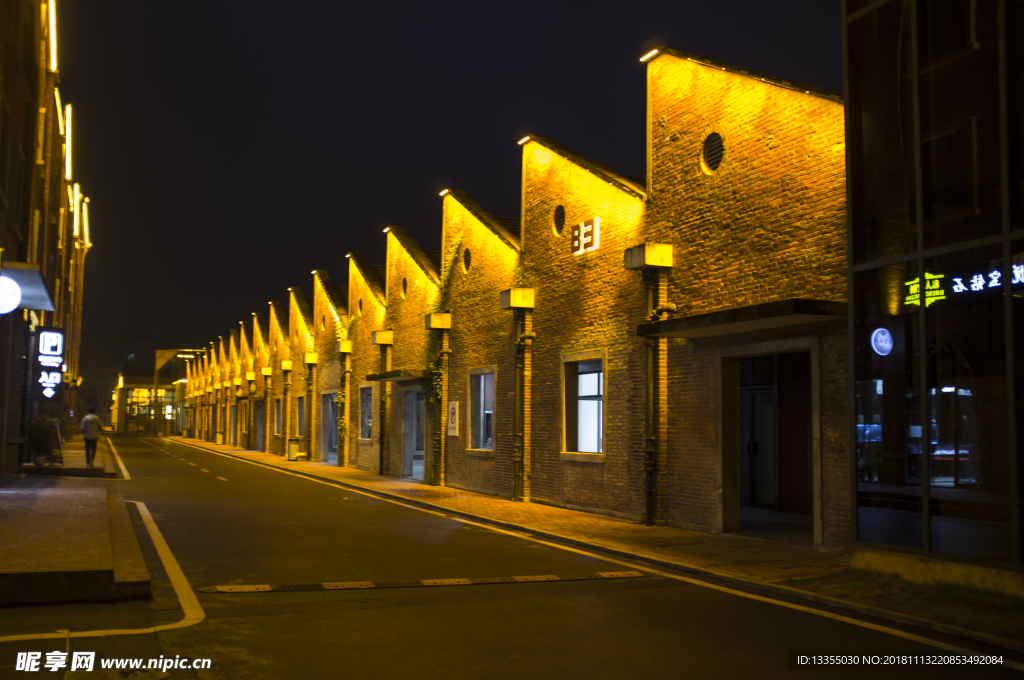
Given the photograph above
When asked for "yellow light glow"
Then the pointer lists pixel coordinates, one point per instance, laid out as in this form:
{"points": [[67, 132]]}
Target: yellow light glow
{"points": [[52, 14], [443, 192], [85, 222], [524, 140], [77, 201], [60, 109], [67, 142], [648, 55]]}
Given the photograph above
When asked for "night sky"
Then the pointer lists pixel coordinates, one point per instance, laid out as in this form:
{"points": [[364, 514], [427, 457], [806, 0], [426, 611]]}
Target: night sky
{"points": [[229, 148]]}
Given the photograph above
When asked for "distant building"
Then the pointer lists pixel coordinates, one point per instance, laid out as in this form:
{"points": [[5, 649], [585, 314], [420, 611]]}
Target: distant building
{"points": [[935, 131]]}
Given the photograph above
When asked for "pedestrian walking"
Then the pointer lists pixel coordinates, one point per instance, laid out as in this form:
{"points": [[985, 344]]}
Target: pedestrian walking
{"points": [[91, 426]]}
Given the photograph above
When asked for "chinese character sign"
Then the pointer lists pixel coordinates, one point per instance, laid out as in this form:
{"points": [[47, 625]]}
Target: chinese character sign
{"points": [[49, 371], [586, 236]]}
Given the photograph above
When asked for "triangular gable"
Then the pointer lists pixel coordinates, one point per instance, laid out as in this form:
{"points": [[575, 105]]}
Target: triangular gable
{"points": [[413, 250], [369, 274], [498, 225], [633, 186], [304, 318]]}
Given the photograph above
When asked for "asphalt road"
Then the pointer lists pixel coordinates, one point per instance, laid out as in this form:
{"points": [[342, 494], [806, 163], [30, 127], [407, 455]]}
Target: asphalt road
{"points": [[228, 522]]}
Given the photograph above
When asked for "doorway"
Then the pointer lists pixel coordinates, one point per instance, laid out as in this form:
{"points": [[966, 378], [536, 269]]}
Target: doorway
{"points": [[414, 430], [259, 425], [772, 446], [329, 428], [234, 424]]}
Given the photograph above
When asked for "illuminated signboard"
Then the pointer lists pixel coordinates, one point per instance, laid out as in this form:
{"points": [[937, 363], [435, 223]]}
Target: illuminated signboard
{"points": [[933, 290], [881, 342], [586, 236], [50, 359]]}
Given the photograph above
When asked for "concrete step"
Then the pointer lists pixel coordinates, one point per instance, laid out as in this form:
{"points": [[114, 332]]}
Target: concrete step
{"points": [[74, 463], [68, 545]]}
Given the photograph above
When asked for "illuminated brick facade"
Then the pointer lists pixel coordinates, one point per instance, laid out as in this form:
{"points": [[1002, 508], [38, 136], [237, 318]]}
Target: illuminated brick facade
{"points": [[744, 190]]}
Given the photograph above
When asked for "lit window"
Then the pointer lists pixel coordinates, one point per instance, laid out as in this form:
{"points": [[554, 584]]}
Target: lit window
{"points": [[481, 404], [584, 406], [365, 411]]}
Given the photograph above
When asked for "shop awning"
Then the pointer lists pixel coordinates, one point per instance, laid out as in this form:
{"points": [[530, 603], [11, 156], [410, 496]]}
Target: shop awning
{"points": [[761, 317], [33, 289], [397, 375]]}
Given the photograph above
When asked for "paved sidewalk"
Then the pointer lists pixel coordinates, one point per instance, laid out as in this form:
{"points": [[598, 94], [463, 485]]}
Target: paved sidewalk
{"points": [[722, 556], [74, 462]]}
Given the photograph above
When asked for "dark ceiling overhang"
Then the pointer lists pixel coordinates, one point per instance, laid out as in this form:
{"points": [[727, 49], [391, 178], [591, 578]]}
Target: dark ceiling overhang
{"points": [[761, 317], [397, 375], [34, 294]]}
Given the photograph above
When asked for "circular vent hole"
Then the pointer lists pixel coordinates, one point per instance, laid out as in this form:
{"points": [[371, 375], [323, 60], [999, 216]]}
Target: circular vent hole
{"points": [[467, 259], [714, 150], [559, 219]]}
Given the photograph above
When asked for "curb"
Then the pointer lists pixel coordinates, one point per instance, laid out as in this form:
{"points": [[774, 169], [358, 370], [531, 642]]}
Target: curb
{"points": [[836, 603]]}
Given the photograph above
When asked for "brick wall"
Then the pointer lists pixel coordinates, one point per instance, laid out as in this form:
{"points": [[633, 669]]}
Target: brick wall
{"points": [[367, 304], [482, 336]]}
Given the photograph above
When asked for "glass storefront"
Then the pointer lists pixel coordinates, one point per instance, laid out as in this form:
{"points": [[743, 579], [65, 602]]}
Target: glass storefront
{"points": [[937, 298]]}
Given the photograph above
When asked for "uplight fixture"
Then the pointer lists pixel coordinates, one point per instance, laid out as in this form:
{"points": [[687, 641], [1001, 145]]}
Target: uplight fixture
{"points": [[443, 192], [524, 140], [649, 55], [67, 142]]}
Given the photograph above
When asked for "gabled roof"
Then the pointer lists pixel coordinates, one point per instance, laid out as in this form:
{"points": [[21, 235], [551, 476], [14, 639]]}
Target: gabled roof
{"points": [[373, 274], [303, 307], [756, 75], [259, 333], [336, 295], [277, 308], [631, 185], [505, 228], [417, 254]]}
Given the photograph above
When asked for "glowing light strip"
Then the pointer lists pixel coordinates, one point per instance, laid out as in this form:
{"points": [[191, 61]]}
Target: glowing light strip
{"points": [[648, 55], [524, 140], [443, 192], [60, 109], [67, 142], [52, 14], [77, 202], [85, 221]]}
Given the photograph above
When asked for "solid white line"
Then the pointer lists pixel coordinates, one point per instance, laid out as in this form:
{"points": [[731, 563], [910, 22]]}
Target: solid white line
{"points": [[817, 612], [186, 597], [120, 464]]}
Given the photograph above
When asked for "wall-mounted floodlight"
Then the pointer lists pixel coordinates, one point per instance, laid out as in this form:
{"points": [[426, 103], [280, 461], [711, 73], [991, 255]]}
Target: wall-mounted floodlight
{"points": [[443, 192], [348, 255], [387, 229], [524, 140], [67, 142], [649, 55]]}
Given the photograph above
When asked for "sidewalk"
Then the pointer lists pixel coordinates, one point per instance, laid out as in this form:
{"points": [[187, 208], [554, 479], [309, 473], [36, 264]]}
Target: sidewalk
{"points": [[74, 462], [725, 557]]}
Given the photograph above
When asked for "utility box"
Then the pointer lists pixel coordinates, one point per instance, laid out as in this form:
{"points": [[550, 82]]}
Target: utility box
{"points": [[220, 439], [439, 320], [295, 448], [517, 298], [383, 337], [345, 346], [648, 256]]}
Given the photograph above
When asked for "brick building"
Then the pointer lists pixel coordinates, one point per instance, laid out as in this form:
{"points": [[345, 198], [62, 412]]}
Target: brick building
{"points": [[668, 348], [44, 228]]}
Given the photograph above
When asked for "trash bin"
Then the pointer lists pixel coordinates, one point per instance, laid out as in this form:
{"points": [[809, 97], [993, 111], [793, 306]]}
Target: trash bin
{"points": [[295, 449], [220, 438]]}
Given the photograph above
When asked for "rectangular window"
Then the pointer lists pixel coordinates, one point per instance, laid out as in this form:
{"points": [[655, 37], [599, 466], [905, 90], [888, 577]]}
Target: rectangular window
{"points": [[481, 408], [277, 416], [584, 406], [300, 415], [365, 412]]}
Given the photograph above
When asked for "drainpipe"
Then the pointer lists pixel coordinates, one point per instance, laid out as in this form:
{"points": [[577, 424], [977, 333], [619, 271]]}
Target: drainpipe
{"points": [[343, 408], [382, 424], [445, 354], [267, 371], [286, 368], [311, 359], [653, 260], [520, 302]]}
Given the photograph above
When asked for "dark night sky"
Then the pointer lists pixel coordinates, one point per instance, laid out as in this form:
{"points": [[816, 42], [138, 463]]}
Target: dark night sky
{"points": [[231, 147]]}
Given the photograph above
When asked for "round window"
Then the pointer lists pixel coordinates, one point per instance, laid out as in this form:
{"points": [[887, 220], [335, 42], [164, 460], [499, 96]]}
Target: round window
{"points": [[467, 259], [714, 150], [360, 306], [405, 288], [559, 219]]}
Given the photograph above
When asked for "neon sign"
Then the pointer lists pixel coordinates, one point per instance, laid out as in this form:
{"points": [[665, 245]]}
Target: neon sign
{"points": [[933, 290], [51, 361], [978, 282], [881, 342]]}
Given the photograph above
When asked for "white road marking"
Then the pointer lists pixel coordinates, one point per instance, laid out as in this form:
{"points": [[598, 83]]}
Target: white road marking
{"points": [[120, 464], [186, 596], [760, 598], [206, 471], [223, 480]]}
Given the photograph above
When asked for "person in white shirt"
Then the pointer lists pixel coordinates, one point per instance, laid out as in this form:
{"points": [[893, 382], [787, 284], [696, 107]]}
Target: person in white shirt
{"points": [[91, 426]]}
